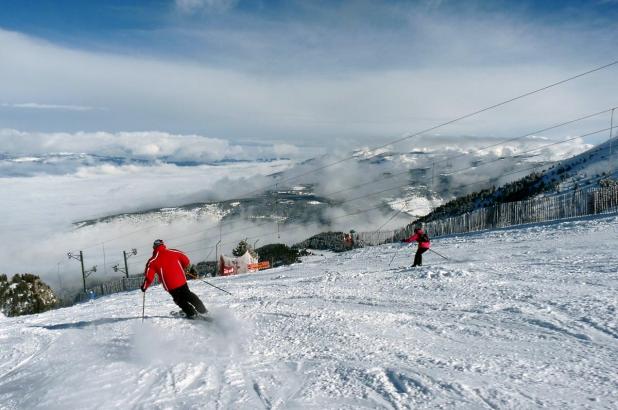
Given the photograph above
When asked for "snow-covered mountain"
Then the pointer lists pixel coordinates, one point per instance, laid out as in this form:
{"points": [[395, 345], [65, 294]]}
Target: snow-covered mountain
{"points": [[586, 169], [515, 318], [417, 180], [592, 168], [298, 204], [127, 194]]}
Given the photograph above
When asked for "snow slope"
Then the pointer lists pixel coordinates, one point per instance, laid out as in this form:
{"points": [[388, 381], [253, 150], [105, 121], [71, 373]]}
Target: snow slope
{"points": [[514, 319]]}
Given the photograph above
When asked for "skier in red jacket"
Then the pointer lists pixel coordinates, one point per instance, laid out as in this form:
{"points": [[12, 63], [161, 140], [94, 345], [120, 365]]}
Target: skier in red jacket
{"points": [[170, 265], [423, 244]]}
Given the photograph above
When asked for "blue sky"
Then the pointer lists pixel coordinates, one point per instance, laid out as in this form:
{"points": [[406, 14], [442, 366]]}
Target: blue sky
{"points": [[304, 72], [168, 27]]}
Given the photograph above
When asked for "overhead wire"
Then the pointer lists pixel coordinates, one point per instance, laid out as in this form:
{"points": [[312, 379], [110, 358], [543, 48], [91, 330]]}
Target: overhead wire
{"points": [[414, 134], [403, 200], [452, 157], [449, 158], [463, 117], [392, 175], [379, 206], [244, 229]]}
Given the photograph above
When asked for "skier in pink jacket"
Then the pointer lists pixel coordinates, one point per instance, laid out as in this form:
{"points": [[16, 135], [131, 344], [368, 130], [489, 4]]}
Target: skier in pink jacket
{"points": [[423, 244]]}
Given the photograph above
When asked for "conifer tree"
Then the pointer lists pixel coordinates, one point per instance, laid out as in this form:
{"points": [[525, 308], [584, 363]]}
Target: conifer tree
{"points": [[242, 248], [25, 294]]}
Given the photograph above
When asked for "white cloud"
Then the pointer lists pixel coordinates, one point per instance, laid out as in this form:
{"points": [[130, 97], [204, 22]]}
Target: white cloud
{"points": [[147, 145], [38, 210], [38, 106], [287, 150], [313, 94]]}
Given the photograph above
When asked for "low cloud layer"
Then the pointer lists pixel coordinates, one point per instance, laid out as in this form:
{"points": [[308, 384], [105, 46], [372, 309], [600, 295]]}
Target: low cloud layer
{"points": [[134, 146], [39, 208]]}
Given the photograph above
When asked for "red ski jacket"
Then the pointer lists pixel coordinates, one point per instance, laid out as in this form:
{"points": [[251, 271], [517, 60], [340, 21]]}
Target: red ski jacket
{"points": [[417, 237], [169, 265]]}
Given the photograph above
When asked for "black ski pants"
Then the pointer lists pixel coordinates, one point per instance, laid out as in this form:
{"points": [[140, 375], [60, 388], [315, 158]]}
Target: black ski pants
{"points": [[418, 258], [187, 300]]}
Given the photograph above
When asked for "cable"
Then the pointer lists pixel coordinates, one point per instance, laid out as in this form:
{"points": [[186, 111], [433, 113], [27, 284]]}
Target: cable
{"points": [[488, 162], [395, 174], [463, 117], [433, 128], [478, 149], [245, 229], [593, 179], [528, 151]]}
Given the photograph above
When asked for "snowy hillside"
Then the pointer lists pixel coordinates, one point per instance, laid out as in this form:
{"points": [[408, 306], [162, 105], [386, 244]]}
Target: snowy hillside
{"points": [[416, 181], [585, 169], [520, 318], [591, 169], [297, 204], [61, 195]]}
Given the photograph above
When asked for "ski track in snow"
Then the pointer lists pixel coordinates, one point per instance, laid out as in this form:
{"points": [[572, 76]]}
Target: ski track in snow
{"points": [[516, 318]]}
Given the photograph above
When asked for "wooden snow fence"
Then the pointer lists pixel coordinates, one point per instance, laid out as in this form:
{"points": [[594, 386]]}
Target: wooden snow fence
{"points": [[576, 204]]}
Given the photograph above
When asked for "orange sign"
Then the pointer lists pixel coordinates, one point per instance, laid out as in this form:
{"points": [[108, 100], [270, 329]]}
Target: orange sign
{"points": [[259, 266]]}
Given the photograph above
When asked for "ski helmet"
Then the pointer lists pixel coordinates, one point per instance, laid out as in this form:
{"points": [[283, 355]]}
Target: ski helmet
{"points": [[157, 242]]}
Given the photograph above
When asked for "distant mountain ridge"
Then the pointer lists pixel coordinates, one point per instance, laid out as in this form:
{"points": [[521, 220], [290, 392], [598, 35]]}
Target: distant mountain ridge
{"points": [[61, 163], [298, 204], [417, 180], [590, 168]]}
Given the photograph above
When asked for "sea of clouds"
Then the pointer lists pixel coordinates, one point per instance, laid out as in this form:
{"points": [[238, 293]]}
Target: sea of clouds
{"points": [[49, 181]]}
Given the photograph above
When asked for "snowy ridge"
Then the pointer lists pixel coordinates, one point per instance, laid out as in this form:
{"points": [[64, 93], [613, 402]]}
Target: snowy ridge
{"points": [[409, 173], [587, 168], [514, 319]]}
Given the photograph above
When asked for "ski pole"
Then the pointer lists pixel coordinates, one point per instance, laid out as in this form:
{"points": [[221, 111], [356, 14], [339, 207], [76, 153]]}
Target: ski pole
{"points": [[217, 287], [438, 254], [393, 258], [208, 283], [143, 306]]}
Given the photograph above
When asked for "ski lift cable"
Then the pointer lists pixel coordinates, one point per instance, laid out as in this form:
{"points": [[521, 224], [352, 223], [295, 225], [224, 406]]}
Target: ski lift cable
{"points": [[244, 228], [357, 212], [449, 158], [442, 160], [433, 128], [588, 116], [462, 117], [458, 171]]}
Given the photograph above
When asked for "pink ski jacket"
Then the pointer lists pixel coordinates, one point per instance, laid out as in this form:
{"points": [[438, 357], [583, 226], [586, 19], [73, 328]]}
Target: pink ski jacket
{"points": [[416, 236]]}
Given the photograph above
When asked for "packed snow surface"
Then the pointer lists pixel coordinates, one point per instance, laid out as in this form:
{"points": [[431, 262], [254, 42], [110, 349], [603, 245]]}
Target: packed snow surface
{"points": [[520, 318]]}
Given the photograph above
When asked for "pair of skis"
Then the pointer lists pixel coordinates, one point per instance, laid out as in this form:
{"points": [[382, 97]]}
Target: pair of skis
{"points": [[196, 317]]}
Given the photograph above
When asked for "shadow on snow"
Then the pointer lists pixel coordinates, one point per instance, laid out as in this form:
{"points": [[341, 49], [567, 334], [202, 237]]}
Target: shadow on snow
{"points": [[84, 323]]}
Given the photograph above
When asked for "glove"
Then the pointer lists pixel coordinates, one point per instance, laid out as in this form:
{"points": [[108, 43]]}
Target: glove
{"points": [[143, 287]]}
